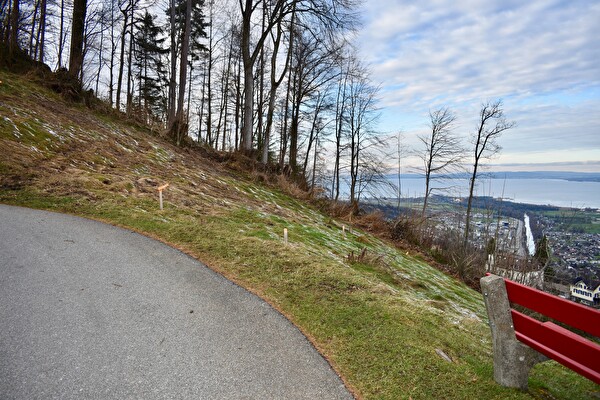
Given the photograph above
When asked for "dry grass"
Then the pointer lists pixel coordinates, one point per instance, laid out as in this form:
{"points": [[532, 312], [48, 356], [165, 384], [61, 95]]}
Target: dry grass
{"points": [[376, 313]]}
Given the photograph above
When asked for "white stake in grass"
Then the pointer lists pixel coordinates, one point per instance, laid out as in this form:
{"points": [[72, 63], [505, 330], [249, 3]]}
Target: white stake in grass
{"points": [[160, 190], [285, 236]]}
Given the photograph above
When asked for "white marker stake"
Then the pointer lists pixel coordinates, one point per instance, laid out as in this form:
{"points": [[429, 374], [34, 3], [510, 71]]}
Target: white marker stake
{"points": [[285, 236], [344, 230], [160, 190]]}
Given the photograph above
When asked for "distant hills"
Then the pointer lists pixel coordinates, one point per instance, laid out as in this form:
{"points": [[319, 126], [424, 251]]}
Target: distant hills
{"points": [[568, 176]]}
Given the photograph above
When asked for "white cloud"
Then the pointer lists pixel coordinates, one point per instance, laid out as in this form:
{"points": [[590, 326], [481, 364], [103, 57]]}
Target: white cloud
{"points": [[540, 56]]}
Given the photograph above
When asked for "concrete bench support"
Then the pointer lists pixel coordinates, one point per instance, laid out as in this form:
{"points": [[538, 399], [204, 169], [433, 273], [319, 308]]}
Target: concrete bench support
{"points": [[512, 359]]}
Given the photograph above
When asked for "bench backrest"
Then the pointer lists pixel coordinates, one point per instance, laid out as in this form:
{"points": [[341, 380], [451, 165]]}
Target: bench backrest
{"points": [[560, 344]]}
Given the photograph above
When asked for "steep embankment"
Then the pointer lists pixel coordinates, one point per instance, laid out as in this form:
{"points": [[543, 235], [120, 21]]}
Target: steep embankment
{"points": [[392, 326]]}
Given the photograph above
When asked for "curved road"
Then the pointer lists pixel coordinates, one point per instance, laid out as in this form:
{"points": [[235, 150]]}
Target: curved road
{"points": [[90, 311]]}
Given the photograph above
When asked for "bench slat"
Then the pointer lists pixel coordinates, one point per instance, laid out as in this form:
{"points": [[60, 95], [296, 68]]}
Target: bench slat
{"points": [[562, 345], [573, 314]]}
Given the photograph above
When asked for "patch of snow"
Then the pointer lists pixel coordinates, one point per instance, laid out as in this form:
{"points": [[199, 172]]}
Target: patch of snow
{"points": [[16, 131], [125, 148], [51, 131]]}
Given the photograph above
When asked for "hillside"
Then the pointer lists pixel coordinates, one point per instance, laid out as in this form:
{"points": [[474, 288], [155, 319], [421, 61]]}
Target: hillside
{"points": [[379, 315]]}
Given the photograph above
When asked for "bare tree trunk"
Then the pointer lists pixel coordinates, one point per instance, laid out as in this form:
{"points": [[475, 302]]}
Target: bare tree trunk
{"points": [[99, 59], [189, 94], [13, 45], [470, 203], [354, 152], [183, 63], [224, 95], [340, 108], [225, 118], [248, 107], [284, 132], [275, 82], [201, 110], [314, 168], [129, 63], [113, 53], [122, 59], [314, 131], [261, 88], [238, 104], [42, 28], [32, 50], [61, 33], [399, 150], [77, 31], [209, 81], [294, 126], [248, 77]]}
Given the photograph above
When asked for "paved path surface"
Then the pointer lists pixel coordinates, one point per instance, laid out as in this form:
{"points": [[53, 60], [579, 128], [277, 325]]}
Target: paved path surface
{"points": [[90, 311]]}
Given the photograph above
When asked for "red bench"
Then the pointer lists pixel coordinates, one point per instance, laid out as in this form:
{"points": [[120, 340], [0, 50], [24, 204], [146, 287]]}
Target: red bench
{"points": [[520, 341]]}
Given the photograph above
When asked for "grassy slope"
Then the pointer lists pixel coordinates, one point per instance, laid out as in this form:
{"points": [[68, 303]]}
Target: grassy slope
{"points": [[379, 321]]}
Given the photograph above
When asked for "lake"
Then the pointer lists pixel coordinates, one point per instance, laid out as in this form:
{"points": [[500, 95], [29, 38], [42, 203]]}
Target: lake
{"points": [[556, 192]]}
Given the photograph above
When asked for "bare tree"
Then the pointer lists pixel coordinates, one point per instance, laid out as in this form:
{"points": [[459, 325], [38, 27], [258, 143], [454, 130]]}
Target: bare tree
{"points": [[321, 104], [401, 149], [61, 33], [275, 81], [113, 19], [333, 13], [77, 32], [180, 130], [36, 51], [492, 123], [362, 114], [313, 67], [250, 53], [442, 149], [340, 108], [126, 7], [13, 42]]}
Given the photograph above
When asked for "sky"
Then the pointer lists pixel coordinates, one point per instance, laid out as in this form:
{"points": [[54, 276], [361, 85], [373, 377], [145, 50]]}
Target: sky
{"points": [[540, 57]]}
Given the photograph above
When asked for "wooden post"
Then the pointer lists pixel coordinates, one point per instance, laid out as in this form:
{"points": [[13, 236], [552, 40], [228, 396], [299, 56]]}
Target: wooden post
{"points": [[285, 236], [160, 196]]}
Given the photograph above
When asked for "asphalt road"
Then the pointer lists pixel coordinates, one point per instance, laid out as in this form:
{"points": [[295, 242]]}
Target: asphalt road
{"points": [[90, 311]]}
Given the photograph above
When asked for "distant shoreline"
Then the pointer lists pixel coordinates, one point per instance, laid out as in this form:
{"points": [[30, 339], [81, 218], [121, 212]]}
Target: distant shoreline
{"points": [[568, 190], [550, 175]]}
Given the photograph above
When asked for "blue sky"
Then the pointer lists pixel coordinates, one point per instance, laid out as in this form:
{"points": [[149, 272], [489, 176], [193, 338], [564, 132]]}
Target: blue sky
{"points": [[542, 58]]}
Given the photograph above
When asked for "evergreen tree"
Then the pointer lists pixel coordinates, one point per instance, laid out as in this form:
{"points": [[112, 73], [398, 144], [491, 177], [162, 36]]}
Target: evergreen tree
{"points": [[151, 71], [542, 251]]}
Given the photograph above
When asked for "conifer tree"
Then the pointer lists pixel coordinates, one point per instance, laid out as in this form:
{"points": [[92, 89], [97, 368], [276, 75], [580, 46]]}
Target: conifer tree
{"points": [[542, 251], [149, 64]]}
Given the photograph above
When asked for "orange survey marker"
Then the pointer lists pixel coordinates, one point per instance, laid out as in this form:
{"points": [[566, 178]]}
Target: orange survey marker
{"points": [[160, 190]]}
